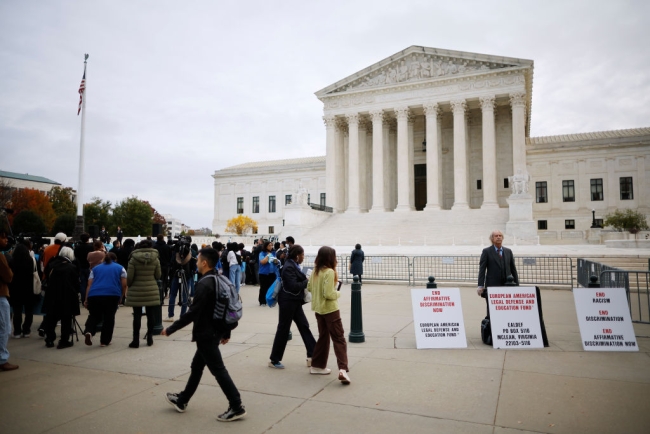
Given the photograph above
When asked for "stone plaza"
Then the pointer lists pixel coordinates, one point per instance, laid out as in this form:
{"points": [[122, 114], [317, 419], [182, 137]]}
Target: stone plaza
{"points": [[395, 388]]}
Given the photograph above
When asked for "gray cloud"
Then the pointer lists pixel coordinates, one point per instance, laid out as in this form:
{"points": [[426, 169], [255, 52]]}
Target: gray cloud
{"points": [[178, 90]]}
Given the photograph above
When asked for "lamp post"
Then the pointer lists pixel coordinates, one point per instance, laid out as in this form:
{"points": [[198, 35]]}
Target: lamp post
{"points": [[593, 220]]}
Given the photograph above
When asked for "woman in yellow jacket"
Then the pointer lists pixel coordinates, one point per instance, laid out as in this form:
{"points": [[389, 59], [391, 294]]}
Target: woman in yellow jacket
{"points": [[324, 301]]}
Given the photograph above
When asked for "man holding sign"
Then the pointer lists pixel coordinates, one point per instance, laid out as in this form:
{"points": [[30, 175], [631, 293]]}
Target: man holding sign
{"points": [[496, 264]]}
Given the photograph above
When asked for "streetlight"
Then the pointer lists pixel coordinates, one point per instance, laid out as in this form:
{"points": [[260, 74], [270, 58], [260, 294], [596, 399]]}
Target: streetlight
{"points": [[593, 220]]}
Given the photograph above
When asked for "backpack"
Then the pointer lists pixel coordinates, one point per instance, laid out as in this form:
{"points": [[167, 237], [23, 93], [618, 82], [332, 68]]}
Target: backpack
{"points": [[227, 304], [486, 331]]}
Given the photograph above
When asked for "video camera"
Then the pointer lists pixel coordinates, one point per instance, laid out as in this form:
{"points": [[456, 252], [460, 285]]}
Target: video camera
{"points": [[182, 245]]}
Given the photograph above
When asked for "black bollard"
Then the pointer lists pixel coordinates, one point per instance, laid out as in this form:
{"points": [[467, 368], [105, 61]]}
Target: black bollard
{"points": [[432, 283], [356, 320], [593, 282], [510, 281]]}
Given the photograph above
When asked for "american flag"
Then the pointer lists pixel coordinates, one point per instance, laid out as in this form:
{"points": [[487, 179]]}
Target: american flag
{"points": [[82, 87]]}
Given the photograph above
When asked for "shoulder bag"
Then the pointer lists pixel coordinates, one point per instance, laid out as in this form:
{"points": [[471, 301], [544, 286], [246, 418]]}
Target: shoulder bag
{"points": [[37, 280]]}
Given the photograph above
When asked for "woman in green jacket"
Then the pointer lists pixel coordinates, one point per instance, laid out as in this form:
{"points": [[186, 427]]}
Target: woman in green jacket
{"points": [[142, 279], [323, 286]]}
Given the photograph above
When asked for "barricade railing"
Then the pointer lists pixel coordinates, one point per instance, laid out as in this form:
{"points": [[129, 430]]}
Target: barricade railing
{"points": [[378, 267], [637, 290], [586, 268], [532, 270]]}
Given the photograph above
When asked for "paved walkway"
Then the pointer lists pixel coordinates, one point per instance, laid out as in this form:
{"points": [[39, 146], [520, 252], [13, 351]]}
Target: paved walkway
{"points": [[395, 388]]}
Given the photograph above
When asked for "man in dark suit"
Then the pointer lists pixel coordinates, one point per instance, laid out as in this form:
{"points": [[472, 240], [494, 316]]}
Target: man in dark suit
{"points": [[496, 264]]}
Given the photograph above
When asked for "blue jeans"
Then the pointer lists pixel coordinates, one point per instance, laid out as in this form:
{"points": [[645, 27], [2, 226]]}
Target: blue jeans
{"points": [[235, 276], [176, 286], [5, 329]]}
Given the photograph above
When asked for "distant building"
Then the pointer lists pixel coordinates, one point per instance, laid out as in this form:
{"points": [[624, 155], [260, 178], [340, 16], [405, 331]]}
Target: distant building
{"points": [[173, 227], [20, 181]]}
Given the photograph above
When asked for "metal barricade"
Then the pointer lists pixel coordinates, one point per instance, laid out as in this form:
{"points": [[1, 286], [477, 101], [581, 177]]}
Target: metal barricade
{"points": [[532, 270], [587, 268], [637, 290], [341, 267], [382, 268]]}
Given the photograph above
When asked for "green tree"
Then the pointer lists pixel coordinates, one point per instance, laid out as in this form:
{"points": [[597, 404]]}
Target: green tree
{"points": [[241, 225], [64, 223], [135, 216], [62, 203], [97, 212], [27, 222], [626, 219]]}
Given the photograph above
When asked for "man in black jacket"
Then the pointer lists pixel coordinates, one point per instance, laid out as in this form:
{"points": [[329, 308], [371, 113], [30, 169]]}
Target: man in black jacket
{"points": [[81, 251], [208, 333], [165, 255], [495, 265]]}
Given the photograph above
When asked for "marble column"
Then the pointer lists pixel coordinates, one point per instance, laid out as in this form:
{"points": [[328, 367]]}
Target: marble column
{"points": [[411, 161], [363, 166], [518, 104], [354, 187], [431, 113], [331, 174], [341, 167], [583, 188], [489, 154], [612, 193], [403, 172], [554, 187], [460, 155], [379, 168], [639, 186]]}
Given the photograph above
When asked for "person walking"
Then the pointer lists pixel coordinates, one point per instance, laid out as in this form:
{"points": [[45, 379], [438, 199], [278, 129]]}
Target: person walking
{"points": [[356, 261], [290, 300], [496, 264], [106, 289], [61, 302], [208, 333], [164, 256], [21, 289], [142, 282], [234, 266], [6, 276], [267, 270], [324, 302]]}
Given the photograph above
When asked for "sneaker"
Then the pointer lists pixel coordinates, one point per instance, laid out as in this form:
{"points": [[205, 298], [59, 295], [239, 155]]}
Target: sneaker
{"points": [[344, 377], [172, 398], [169, 319], [231, 414], [319, 371], [89, 338], [26, 335], [276, 365], [64, 344], [49, 344], [309, 362], [18, 336], [41, 332]]}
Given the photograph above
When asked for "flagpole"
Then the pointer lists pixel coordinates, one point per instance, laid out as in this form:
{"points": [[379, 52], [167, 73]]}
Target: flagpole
{"points": [[79, 224]]}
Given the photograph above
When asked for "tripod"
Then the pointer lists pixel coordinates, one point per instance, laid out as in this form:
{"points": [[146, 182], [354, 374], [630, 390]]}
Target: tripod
{"points": [[76, 329]]}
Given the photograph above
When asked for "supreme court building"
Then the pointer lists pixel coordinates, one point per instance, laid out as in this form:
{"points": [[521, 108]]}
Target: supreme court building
{"points": [[442, 131]]}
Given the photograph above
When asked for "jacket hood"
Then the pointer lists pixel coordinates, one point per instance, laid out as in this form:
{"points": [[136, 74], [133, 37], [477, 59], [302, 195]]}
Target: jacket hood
{"points": [[145, 256]]}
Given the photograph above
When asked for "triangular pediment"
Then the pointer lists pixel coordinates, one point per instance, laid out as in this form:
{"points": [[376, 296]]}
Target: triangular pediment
{"points": [[416, 64]]}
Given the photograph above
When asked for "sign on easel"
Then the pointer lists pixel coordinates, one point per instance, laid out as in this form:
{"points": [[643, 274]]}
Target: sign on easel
{"points": [[438, 318], [514, 317], [604, 319]]}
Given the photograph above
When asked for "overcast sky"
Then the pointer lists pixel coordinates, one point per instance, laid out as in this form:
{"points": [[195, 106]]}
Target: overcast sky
{"points": [[177, 90]]}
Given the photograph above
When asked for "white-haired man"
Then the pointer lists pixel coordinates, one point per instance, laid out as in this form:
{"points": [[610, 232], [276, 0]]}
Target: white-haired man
{"points": [[496, 264]]}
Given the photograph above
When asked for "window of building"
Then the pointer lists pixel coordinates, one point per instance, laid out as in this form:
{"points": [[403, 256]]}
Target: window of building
{"points": [[597, 189], [271, 203], [322, 199], [542, 225], [506, 184], [569, 224], [256, 204], [627, 192], [541, 193], [599, 223], [568, 191], [287, 199], [271, 229], [240, 205], [478, 184]]}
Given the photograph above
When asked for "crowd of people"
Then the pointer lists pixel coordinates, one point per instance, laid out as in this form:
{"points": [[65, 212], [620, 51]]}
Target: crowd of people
{"points": [[102, 276]]}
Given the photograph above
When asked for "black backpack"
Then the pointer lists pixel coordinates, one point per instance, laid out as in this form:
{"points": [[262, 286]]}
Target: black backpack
{"points": [[486, 331]]}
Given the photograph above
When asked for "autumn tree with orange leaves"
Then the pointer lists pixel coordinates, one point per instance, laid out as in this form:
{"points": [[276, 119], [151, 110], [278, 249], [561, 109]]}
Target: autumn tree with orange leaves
{"points": [[29, 199]]}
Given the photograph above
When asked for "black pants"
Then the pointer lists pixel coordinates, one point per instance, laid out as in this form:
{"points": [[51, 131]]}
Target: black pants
{"points": [[102, 306], [164, 272], [137, 321], [208, 354], [291, 310], [49, 325], [266, 280], [19, 325]]}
